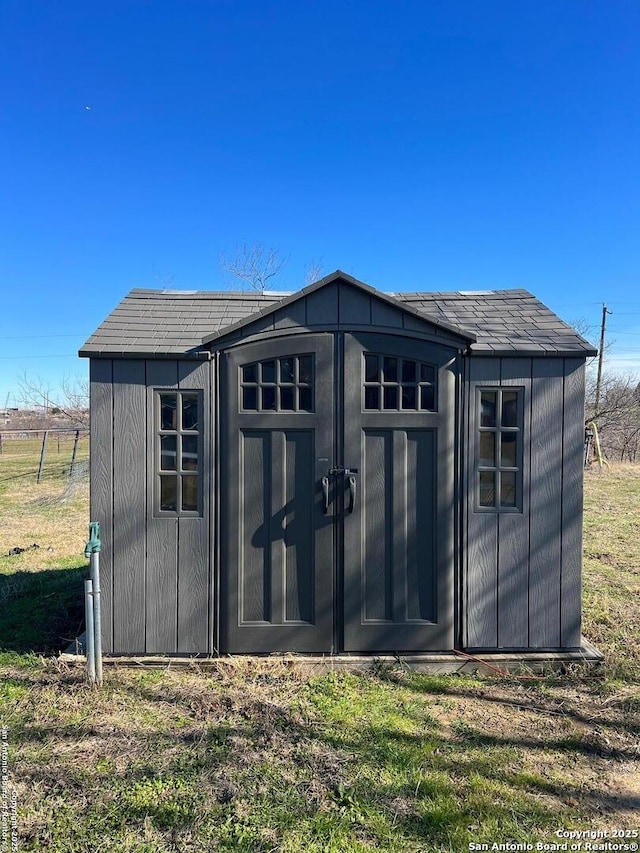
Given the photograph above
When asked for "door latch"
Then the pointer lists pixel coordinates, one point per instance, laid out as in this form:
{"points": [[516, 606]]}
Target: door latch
{"points": [[325, 495], [352, 492], [350, 474]]}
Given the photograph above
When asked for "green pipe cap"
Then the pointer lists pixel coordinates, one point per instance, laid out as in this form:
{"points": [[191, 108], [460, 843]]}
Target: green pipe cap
{"points": [[94, 544]]}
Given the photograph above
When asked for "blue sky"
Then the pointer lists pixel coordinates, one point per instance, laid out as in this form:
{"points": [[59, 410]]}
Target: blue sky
{"points": [[416, 145]]}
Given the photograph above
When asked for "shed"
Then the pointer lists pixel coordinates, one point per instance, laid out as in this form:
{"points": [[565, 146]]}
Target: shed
{"points": [[337, 471]]}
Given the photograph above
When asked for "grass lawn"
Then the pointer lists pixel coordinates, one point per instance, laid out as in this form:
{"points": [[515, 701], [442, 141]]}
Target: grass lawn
{"points": [[248, 756]]}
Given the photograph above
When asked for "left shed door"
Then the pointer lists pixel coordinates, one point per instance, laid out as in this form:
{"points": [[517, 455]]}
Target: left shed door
{"points": [[277, 578]]}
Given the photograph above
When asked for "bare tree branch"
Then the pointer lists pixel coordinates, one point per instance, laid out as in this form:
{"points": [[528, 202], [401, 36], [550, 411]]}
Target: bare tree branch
{"points": [[72, 400], [590, 334], [255, 264], [313, 271], [618, 415]]}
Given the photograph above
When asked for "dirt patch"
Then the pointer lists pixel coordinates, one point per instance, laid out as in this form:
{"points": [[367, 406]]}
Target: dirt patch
{"points": [[578, 748]]}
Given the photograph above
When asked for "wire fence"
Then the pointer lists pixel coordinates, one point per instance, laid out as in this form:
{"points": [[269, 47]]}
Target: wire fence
{"points": [[43, 457]]}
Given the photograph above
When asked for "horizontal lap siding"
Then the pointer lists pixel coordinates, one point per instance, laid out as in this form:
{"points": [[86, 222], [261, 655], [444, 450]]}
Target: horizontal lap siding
{"points": [[522, 570]]}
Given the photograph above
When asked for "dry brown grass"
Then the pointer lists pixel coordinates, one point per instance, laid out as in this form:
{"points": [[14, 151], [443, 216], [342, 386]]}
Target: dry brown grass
{"points": [[53, 516], [252, 756], [339, 763], [612, 567]]}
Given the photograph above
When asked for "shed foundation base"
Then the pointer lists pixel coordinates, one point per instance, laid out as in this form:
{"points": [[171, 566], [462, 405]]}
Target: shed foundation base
{"points": [[436, 663]]}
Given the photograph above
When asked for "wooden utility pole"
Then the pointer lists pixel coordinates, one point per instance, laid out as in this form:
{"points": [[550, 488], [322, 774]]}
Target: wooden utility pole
{"points": [[605, 311]]}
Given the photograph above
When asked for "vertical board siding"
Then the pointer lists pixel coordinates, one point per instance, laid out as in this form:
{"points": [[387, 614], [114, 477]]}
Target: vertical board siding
{"points": [[399, 523], [101, 378], [322, 306], [482, 528], [572, 450], [377, 500], [419, 530], [293, 316], [354, 307], [383, 314], [340, 305], [214, 519], [531, 559], [276, 520], [513, 529], [466, 485], [262, 324], [129, 506], [193, 586], [298, 526], [194, 534], [255, 495], [546, 502], [416, 324], [162, 532]]}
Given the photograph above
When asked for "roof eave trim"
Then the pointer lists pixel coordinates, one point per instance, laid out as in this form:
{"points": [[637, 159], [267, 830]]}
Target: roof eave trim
{"points": [[489, 351], [186, 355]]}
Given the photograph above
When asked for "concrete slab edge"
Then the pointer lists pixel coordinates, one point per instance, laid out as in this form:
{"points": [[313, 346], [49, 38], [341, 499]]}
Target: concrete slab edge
{"points": [[489, 663]]}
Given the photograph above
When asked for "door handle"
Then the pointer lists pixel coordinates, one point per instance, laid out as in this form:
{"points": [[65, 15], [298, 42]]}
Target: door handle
{"points": [[352, 492], [325, 495]]}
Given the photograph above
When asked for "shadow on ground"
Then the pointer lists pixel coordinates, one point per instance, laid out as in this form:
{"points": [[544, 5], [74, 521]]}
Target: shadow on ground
{"points": [[242, 763], [41, 611]]}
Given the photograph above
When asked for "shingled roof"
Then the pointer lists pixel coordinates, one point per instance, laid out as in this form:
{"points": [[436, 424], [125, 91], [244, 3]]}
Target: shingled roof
{"points": [[172, 323]]}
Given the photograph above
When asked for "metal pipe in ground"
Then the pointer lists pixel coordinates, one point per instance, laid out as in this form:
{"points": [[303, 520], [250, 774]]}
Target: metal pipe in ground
{"points": [[89, 638], [92, 551], [97, 614]]}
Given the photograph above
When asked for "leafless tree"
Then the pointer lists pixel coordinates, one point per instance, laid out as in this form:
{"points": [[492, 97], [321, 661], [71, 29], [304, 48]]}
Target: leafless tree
{"points": [[313, 271], [589, 333], [618, 415], [255, 264], [70, 401]]}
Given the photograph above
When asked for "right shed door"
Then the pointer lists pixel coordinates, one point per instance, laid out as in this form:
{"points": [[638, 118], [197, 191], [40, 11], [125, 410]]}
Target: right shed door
{"points": [[398, 527]]}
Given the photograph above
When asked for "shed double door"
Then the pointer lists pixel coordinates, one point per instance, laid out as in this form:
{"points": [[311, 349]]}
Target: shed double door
{"points": [[337, 495]]}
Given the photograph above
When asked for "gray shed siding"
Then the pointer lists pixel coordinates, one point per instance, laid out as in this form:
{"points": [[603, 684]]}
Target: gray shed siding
{"points": [[155, 571], [341, 306], [522, 569], [516, 574]]}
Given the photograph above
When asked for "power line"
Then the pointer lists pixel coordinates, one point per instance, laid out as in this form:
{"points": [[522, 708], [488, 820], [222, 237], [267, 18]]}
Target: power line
{"points": [[580, 304], [21, 357], [34, 337]]}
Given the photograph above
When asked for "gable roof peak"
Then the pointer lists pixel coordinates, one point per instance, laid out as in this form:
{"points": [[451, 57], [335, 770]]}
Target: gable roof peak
{"points": [[336, 275], [167, 323]]}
